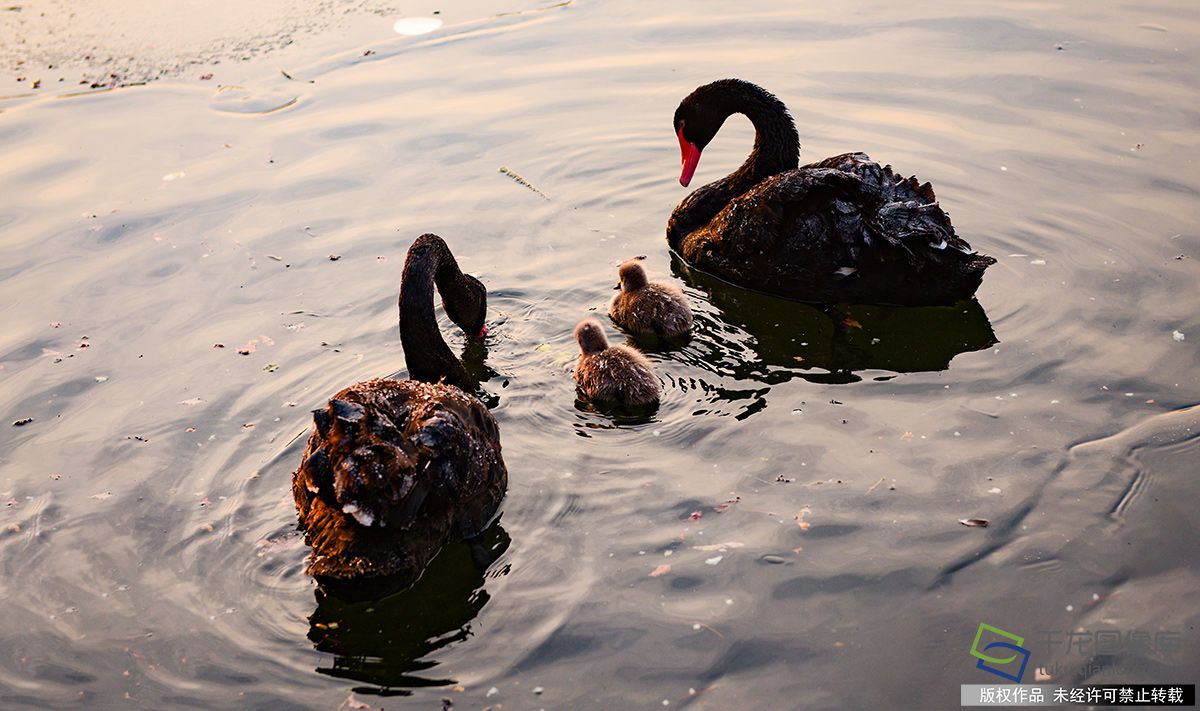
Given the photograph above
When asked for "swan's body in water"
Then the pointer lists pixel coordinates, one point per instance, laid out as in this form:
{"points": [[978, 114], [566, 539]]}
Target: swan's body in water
{"points": [[842, 230], [615, 374], [395, 468], [645, 307]]}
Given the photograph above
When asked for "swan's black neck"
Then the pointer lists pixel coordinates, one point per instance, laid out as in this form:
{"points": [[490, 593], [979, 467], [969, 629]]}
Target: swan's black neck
{"points": [[776, 141], [430, 263], [776, 147]]}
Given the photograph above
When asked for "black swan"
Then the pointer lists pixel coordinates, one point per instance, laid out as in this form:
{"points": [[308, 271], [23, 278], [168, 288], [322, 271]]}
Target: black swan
{"points": [[844, 230], [395, 468], [615, 374], [643, 307]]}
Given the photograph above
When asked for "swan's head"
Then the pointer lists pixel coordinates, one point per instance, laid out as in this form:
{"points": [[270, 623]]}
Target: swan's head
{"points": [[632, 275], [468, 309], [702, 112], [697, 120], [590, 335]]}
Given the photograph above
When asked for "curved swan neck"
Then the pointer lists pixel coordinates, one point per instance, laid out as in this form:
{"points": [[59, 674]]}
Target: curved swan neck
{"points": [[776, 141], [776, 148], [429, 264]]}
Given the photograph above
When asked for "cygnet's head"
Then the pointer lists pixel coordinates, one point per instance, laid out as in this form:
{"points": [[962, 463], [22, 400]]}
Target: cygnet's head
{"points": [[590, 335], [632, 275]]}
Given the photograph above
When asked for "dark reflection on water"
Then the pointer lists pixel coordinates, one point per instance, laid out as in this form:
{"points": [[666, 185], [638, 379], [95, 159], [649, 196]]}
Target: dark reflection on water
{"points": [[608, 414], [474, 358], [387, 642], [756, 336], [145, 544]]}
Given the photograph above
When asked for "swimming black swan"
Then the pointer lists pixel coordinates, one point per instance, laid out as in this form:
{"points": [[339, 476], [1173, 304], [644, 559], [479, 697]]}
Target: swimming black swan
{"points": [[841, 230], [614, 374], [394, 468], [643, 307]]}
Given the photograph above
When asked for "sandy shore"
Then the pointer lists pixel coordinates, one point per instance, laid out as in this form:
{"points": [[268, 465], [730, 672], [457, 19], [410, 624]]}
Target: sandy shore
{"points": [[48, 45]]}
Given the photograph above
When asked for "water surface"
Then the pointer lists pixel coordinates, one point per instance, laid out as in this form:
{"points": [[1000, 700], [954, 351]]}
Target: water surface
{"points": [[804, 483]]}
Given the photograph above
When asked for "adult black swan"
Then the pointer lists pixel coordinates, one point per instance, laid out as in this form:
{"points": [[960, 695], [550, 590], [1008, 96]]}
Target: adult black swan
{"points": [[395, 468], [842, 230]]}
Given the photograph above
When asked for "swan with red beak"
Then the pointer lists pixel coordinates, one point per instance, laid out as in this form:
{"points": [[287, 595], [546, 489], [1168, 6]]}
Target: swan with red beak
{"points": [[845, 229]]}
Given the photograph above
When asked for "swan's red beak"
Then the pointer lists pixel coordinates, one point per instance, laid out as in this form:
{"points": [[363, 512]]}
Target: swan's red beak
{"points": [[691, 158], [482, 332]]}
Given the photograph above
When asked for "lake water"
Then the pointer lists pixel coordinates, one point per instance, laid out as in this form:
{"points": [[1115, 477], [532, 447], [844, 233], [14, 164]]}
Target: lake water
{"points": [[148, 548]]}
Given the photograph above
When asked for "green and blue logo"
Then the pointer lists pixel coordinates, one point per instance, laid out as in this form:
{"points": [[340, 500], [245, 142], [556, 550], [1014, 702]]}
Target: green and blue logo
{"points": [[993, 664]]}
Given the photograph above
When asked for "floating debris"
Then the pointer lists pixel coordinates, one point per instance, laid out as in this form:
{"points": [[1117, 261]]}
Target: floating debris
{"points": [[1178, 335], [799, 518], [22, 422], [523, 182], [974, 522], [660, 571], [725, 505], [351, 702], [292, 78]]}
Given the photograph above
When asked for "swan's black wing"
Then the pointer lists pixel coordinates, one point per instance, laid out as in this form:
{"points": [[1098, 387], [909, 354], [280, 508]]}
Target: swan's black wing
{"points": [[842, 230], [392, 469]]}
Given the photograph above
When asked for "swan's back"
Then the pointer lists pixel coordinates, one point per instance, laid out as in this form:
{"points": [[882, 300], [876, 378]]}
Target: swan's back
{"points": [[392, 471], [842, 230]]}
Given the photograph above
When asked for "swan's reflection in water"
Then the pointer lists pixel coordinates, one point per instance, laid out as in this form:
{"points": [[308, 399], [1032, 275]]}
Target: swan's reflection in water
{"points": [[387, 642], [749, 335]]}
